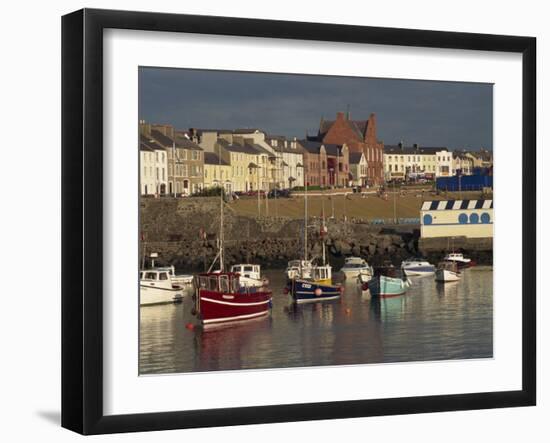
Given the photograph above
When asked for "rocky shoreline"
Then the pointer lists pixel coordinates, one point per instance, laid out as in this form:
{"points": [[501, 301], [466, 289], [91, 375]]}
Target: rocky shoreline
{"points": [[184, 233]]}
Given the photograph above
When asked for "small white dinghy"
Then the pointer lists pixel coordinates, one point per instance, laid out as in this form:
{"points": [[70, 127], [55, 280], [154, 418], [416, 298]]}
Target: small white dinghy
{"points": [[447, 271]]}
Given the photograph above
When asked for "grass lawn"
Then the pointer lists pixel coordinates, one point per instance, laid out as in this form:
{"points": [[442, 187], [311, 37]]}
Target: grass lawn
{"points": [[352, 205]]}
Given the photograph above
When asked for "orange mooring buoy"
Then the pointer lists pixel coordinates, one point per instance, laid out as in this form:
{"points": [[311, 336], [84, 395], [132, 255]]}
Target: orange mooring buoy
{"points": [[190, 326]]}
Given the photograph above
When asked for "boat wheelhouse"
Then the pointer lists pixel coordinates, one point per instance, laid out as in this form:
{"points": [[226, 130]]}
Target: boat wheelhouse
{"points": [[459, 259], [299, 269], [156, 287], [184, 280], [220, 297], [250, 275]]}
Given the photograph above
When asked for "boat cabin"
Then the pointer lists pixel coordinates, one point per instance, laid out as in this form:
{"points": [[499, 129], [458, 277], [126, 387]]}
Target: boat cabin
{"points": [[157, 278], [321, 273], [389, 270], [355, 262], [227, 282], [247, 270], [155, 275], [454, 256]]}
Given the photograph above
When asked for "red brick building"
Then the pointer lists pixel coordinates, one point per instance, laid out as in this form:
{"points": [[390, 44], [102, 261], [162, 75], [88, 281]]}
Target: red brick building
{"points": [[359, 136]]}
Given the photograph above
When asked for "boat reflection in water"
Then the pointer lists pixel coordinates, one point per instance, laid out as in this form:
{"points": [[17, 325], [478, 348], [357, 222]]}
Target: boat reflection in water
{"points": [[447, 288], [236, 345], [428, 323]]}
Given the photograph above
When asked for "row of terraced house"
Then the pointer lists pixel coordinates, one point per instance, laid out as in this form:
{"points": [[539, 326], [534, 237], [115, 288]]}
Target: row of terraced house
{"points": [[344, 152]]}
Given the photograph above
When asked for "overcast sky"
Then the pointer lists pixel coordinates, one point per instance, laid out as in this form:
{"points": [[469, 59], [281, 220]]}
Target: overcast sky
{"points": [[451, 114]]}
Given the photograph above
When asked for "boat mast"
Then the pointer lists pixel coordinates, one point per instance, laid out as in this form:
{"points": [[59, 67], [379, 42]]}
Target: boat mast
{"points": [[323, 234], [221, 218], [305, 221]]}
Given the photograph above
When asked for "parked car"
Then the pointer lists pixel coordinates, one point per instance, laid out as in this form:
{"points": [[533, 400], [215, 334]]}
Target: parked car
{"points": [[279, 193], [255, 193]]}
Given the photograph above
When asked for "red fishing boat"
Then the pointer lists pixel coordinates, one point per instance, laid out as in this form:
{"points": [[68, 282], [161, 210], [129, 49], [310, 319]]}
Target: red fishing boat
{"points": [[219, 295], [220, 298]]}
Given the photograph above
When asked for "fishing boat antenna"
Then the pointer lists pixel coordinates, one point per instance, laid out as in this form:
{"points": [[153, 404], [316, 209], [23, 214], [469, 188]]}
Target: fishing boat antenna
{"points": [[305, 221]]}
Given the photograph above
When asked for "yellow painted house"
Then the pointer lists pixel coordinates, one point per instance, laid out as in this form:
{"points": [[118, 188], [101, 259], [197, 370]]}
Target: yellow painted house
{"points": [[217, 171], [243, 161]]}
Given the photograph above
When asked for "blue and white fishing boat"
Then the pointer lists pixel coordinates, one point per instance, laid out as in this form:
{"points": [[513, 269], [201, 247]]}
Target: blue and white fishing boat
{"points": [[417, 267], [316, 288], [387, 282], [312, 282]]}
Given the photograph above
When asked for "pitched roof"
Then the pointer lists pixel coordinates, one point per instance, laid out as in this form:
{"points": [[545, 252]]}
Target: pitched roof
{"points": [[145, 147], [211, 158], [261, 149], [183, 142], [246, 149], [358, 126], [333, 149], [355, 157], [151, 143], [310, 146], [162, 139], [313, 147]]}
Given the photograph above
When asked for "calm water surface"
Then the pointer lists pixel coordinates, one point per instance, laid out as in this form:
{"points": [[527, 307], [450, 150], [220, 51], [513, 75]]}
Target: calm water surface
{"points": [[431, 322]]}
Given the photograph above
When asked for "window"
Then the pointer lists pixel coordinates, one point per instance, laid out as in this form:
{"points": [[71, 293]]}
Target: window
{"points": [[224, 283], [163, 276]]}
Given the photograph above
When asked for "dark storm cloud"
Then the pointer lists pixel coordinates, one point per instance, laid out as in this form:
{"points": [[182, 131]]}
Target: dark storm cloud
{"points": [[430, 113]]}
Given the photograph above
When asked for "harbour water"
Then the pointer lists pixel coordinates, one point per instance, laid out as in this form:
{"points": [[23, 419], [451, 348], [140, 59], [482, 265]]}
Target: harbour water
{"points": [[432, 321]]}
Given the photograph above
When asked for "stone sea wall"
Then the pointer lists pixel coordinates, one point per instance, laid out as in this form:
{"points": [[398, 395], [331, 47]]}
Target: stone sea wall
{"points": [[174, 229]]}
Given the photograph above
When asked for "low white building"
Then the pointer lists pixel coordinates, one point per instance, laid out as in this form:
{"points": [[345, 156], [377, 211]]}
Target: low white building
{"points": [[444, 163], [457, 218]]}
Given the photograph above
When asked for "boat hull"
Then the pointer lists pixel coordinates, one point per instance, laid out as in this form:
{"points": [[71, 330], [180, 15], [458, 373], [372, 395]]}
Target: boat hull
{"points": [[382, 286], [445, 275], [305, 291], [354, 273], [156, 296], [217, 307], [419, 270]]}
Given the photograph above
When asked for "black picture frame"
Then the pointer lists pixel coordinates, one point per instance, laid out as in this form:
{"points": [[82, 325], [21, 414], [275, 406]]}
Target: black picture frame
{"points": [[82, 217]]}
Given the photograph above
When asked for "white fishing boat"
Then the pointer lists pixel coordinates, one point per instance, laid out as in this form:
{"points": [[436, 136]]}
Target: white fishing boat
{"points": [[447, 271], [156, 287], [353, 266], [184, 280], [250, 275], [417, 267], [459, 259]]}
